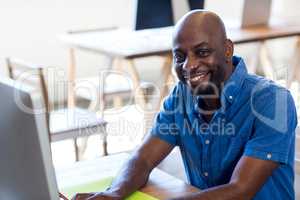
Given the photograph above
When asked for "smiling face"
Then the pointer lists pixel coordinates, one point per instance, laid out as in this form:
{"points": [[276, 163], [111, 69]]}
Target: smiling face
{"points": [[201, 53]]}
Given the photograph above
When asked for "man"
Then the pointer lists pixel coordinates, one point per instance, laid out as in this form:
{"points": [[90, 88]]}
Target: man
{"points": [[236, 131]]}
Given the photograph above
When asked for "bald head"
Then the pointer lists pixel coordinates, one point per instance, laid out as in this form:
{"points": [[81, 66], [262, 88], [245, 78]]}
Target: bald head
{"points": [[201, 21]]}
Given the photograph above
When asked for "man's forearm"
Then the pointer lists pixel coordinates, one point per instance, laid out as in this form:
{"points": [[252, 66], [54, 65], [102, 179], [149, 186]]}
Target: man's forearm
{"points": [[132, 177], [249, 176], [229, 191]]}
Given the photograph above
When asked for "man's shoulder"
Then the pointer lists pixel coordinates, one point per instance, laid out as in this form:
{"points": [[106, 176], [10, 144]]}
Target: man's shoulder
{"points": [[255, 82], [264, 90]]}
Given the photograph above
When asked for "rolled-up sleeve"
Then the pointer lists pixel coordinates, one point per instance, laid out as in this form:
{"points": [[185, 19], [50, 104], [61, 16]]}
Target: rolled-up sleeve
{"points": [[273, 133]]}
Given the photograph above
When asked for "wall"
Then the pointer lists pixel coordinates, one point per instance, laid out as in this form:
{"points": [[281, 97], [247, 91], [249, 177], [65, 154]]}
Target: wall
{"points": [[30, 28]]}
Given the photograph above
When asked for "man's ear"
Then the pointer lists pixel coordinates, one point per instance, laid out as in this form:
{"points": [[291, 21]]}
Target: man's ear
{"points": [[229, 49]]}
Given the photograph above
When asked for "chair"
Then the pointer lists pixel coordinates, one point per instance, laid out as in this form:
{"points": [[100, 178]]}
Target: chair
{"points": [[117, 86], [116, 83], [63, 123]]}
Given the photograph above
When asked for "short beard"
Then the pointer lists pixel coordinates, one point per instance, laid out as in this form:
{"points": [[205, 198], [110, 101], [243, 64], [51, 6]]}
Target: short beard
{"points": [[214, 86], [212, 90]]}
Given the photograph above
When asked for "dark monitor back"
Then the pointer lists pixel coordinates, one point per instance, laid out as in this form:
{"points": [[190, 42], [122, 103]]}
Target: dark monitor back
{"points": [[158, 13]]}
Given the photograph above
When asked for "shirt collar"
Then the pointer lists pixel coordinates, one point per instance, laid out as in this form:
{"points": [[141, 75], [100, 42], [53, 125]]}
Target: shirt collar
{"points": [[233, 85]]}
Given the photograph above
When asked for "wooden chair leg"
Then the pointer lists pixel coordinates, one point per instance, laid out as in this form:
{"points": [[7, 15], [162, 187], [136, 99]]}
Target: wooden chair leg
{"points": [[166, 72], [105, 153], [80, 148], [117, 102], [294, 69], [76, 150], [104, 143], [71, 78], [297, 166], [254, 61], [266, 62], [140, 97]]}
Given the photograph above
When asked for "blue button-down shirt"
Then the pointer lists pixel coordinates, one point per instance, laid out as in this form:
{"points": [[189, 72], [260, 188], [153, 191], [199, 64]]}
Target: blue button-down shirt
{"points": [[257, 118]]}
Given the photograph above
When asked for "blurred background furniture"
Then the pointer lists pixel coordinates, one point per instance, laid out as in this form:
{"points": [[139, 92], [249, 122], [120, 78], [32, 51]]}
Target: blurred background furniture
{"points": [[125, 45], [159, 13], [116, 86], [63, 123], [111, 83]]}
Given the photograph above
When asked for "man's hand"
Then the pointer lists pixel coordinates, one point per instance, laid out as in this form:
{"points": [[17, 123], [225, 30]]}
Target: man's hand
{"points": [[96, 196], [82, 196], [135, 173]]}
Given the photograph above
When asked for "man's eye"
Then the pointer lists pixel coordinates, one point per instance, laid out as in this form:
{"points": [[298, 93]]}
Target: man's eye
{"points": [[203, 52], [179, 58]]}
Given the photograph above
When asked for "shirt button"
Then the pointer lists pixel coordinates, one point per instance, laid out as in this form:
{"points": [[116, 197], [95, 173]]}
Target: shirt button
{"points": [[207, 141], [269, 156], [206, 174], [230, 97]]}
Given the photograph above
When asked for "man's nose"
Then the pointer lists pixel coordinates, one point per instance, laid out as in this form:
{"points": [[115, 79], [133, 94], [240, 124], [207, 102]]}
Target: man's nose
{"points": [[190, 63]]}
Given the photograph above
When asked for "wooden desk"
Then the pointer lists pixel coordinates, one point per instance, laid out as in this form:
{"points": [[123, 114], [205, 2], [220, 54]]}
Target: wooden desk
{"points": [[161, 185], [130, 44], [126, 45]]}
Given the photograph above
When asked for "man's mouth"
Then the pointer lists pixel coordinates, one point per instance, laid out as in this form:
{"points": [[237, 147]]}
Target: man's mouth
{"points": [[198, 76]]}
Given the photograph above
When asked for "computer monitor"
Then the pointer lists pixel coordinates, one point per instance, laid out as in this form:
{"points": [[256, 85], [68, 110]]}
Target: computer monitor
{"points": [[256, 12], [243, 14], [26, 170], [159, 13]]}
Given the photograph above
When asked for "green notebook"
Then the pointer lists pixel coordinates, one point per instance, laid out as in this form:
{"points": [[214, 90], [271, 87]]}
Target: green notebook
{"points": [[101, 185]]}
